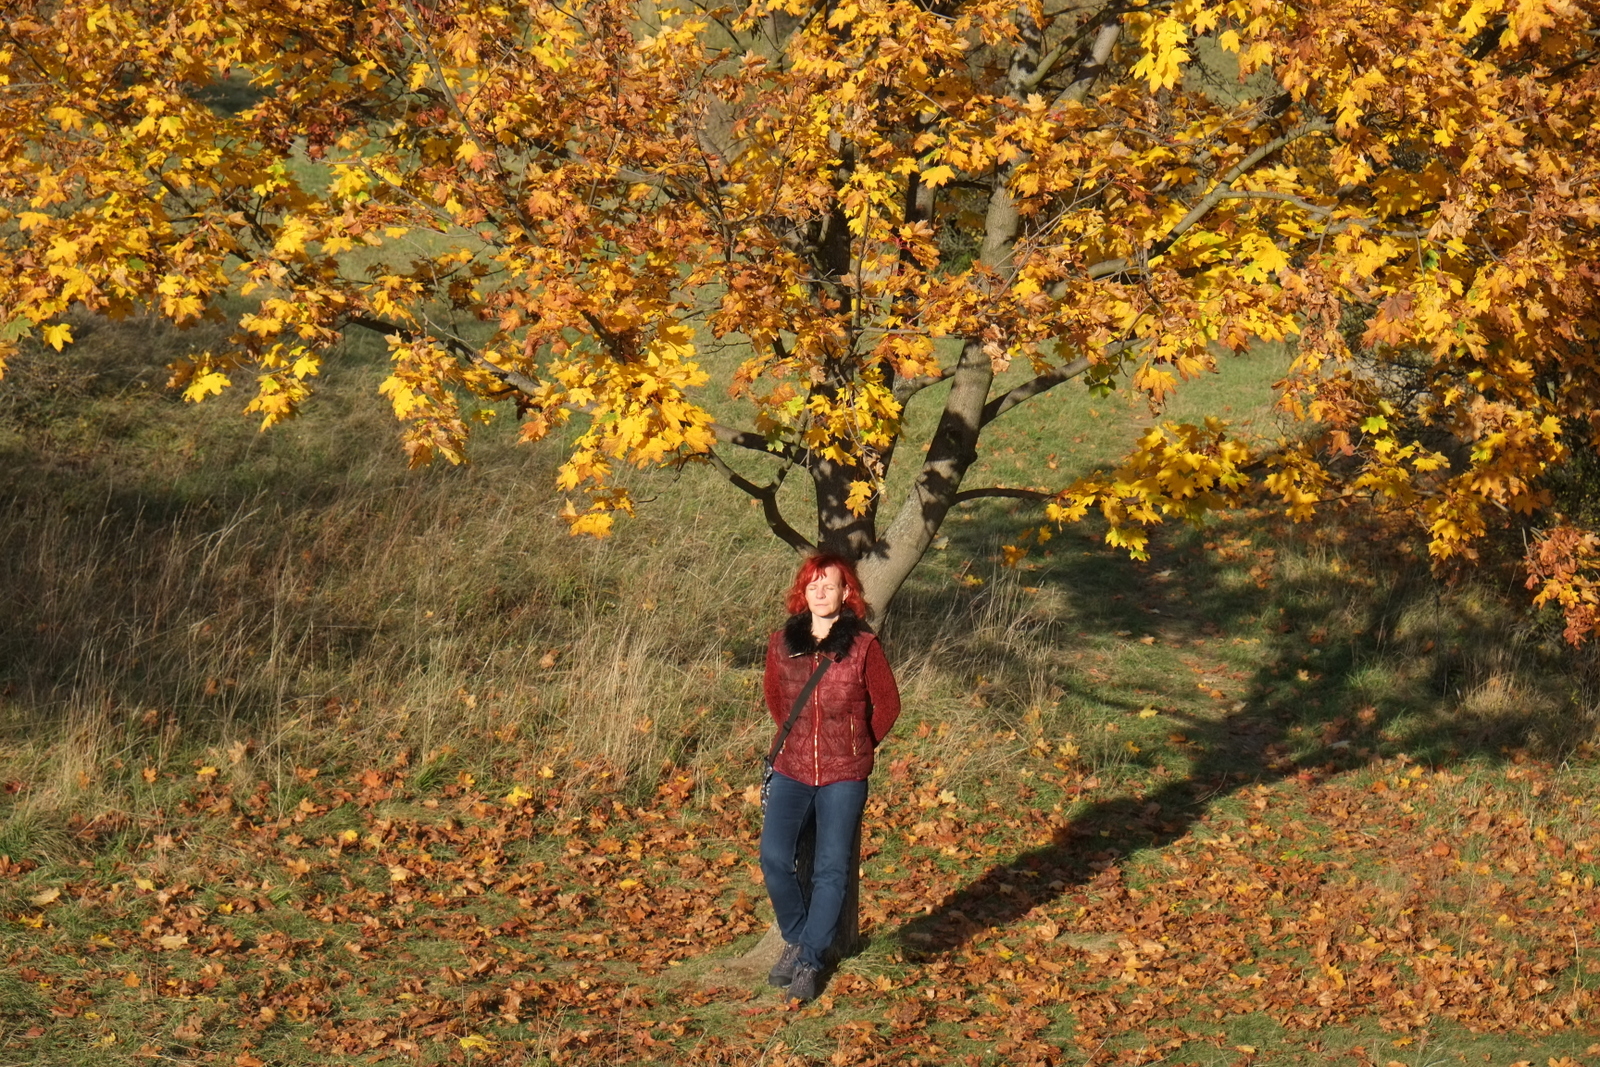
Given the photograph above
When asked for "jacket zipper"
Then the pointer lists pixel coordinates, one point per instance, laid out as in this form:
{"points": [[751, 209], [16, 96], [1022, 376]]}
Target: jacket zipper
{"points": [[816, 726]]}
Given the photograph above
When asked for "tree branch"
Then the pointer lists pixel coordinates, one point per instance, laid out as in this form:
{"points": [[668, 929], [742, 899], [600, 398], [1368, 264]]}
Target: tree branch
{"points": [[1221, 191], [1094, 63], [1001, 491], [768, 495], [756, 443], [1032, 388], [514, 379], [906, 388], [1288, 198]]}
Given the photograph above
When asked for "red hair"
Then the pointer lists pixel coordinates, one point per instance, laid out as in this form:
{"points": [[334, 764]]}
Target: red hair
{"points": [[812, 568]]}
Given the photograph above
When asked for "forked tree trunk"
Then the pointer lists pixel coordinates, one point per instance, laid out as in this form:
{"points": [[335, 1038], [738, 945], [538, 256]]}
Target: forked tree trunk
{"points": [[885, 561]]}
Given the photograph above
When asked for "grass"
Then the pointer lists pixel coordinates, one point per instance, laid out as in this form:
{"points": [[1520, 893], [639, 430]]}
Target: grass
{"points": [[266, 697], [595, 930]]}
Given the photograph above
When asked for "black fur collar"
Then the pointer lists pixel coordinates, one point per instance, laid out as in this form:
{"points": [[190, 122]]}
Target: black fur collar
{"points": [[797, 634]]}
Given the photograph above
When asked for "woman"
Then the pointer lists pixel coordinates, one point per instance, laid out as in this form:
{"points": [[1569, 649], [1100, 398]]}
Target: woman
{"points": [[824, 758]]}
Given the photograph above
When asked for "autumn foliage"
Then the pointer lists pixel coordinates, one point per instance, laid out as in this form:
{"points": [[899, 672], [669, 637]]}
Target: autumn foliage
{"points": [[576, 206], [359, 919]]}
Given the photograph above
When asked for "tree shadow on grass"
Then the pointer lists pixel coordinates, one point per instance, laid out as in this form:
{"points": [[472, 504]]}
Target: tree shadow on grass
{"points": [[1357, 666]]}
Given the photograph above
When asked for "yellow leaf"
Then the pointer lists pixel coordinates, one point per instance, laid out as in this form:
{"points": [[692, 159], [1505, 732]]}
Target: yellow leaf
{"points": [[476, 1041], [68, 118], [398, 873], [58, 335], [292, 237], [1162, 63], [593, 523], [860, 496], [212, 383], [47, 897], [934, 177], [518, 795], [172, 942]]}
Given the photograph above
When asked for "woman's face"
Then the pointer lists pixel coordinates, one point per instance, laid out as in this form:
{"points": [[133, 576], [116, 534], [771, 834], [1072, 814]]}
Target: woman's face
{"points": [[825, 593]]}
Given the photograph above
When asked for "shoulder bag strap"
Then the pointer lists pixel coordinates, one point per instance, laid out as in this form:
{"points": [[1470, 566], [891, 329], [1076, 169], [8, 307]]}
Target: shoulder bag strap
{"points": [[799, 702]]}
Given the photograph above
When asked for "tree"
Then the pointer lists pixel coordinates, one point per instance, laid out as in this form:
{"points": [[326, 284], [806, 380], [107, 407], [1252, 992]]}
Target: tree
{"points": [[559, 202]]}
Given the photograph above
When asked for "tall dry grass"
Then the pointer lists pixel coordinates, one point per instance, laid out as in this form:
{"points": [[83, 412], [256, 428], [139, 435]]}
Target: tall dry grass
{"points": [[412, 618], [179, 588]]}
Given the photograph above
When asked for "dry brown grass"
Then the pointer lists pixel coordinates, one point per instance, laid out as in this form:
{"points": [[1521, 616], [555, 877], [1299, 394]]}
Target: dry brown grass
{"points": [[180, 588]]}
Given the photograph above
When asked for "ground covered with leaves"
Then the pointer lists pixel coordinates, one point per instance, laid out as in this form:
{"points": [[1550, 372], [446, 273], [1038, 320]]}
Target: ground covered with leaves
{"points": [[1376, 911]]}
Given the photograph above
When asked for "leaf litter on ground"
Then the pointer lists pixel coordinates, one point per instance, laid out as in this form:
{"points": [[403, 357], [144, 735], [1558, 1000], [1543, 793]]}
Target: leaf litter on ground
{"points": [[1360, 912]]}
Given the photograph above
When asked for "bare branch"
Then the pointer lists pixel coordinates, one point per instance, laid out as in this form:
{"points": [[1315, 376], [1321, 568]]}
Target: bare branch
{"points": [[768, 495]]}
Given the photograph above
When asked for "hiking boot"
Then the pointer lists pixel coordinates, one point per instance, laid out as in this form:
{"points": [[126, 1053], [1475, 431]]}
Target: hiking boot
{"points": [[806, 984], [783, 971]]}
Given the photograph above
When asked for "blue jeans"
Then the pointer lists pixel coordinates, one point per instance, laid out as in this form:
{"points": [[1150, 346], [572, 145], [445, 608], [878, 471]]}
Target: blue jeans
{"points": [[790, 806]]}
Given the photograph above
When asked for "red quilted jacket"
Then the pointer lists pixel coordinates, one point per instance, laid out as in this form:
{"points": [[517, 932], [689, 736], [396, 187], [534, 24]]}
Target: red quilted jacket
{"points": [[849, 712]]}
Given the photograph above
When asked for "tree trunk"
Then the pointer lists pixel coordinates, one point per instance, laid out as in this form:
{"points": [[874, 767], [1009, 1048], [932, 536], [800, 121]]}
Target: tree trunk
{"points": [[847, 935], [847, 940], [885, 562], [840, 531]]}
